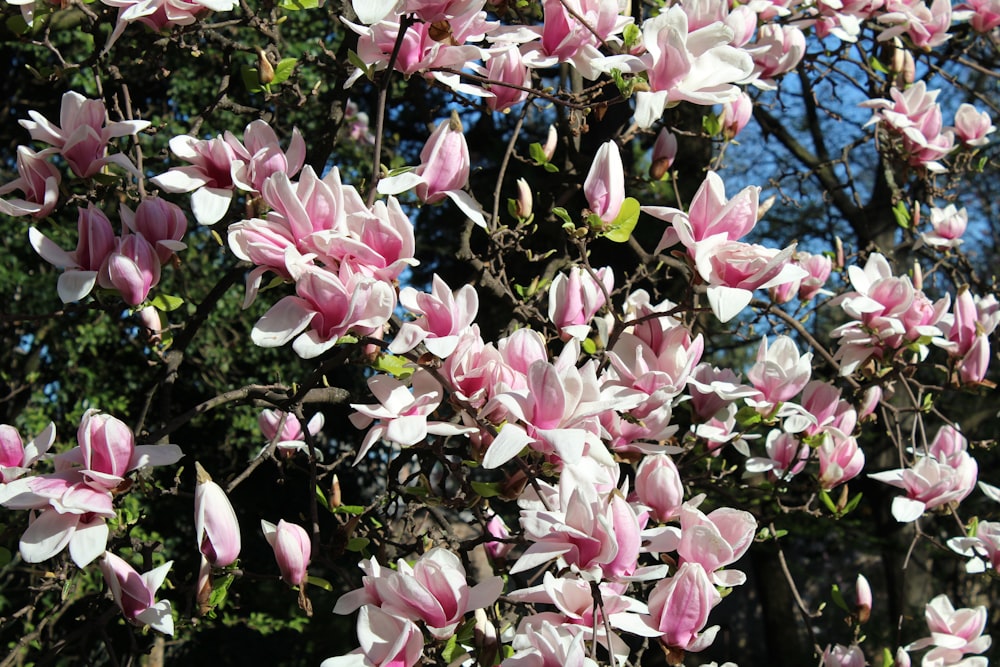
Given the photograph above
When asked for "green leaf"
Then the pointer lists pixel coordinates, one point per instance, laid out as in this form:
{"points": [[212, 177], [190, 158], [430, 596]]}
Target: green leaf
{"points": [[887, 660], [349, 509], [561, 213], [632, 36], [486, 489], [357, 543], [220, 589], [319, 581], [356, 60], [166, 302], [296, 5], [973, 528], [537, 153], [828, 501], [711, 124], [589, 346], [901, 214], [452, 650], [17, 25], [393, 365], [621, 227], [283, 70], [877, 65], [251, 79], [747, 416], [851, 504], [5, 556], [838, 598], [321, 497], [551, 168]]}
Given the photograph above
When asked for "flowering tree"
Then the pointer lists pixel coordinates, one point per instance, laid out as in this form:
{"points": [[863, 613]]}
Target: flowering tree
{"points": [[469, 307]]}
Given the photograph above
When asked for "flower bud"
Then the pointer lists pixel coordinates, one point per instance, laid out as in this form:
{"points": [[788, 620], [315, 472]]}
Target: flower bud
{"points": [[292, 549], [863, 595], [664, 154], [215, 521], [549, 148], [524, 199]]}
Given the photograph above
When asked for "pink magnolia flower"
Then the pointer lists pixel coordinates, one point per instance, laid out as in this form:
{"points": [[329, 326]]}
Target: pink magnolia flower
{"points": [[443, 316], [679, 607], [915, 117], [209, 176], [863, 595], [948, 225], [70, 513], [106, 451], [329, 306], [954, 633], [716, 540], [259, 155], [505, 66], [443, 171], [291, 436], [604, 186], [96, 243], [133, 268], [843, 656], [83, 134], [38, 180], [215, 523], [972, 126], [777, 50], [984, 545], [658, 486], [575, 299], [664, 154], [733, 270], [985, 14], [548, 645], [840, 458], [433, 590], [386, 641], [158, 221], [16, 458], [497, 528], [402, 411], [786, 456], [735, 115], [710, 214], [780, 372], [697, 66], [292, 549], [930, 483], [135, 593]]}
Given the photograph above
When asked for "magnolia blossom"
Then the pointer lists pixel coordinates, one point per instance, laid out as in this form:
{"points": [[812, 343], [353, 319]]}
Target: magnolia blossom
{"points": [[433, 590], [604, 186], [679, 607], [209, 176], [215, 523], [682, 65], [664, 154], [16, 457], [658, 486], [780, 372], [575, 299], [292, 549], [843, 656], [291, 437], [83, 134], [443, 316], [135, 593], [443, 171], [954, 633], [96, 243], [549, 645], [716, 540], [930, 483], [386, 640], [38, 180], [401, 411], [948, 224]]}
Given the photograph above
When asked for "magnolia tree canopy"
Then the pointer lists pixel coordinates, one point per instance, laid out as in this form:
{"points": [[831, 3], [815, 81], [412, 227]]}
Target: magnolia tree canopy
{"points": [[570, 332]]}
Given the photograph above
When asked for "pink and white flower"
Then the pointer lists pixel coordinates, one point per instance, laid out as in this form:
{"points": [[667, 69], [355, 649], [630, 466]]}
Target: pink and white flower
{"points": [[135, 593]]}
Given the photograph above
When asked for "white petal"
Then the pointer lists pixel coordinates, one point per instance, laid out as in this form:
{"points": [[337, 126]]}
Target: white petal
{"points": [[155, 455], [727, 302], [88, 542], [470, 207], [285, 320], [47, 535], [158, 617], [906, 510], [511, 440], [210, 204], [75, 285]]}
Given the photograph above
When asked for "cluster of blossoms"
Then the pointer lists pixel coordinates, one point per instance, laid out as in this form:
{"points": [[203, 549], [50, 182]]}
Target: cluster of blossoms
{"points": [[915, 117], [70, 506], [890, 316]]}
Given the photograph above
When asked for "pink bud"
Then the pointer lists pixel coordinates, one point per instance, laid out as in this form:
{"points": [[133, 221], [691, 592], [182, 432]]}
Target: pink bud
{"points": [[605, 184], [549, 148], [11, 448], [664, 154], [972, 126], [497, 527], [680, 606], [150, 322], [524, 199], [869, 401], [215, 522], [863, 593], [161, 223], [736, 115], [444, 161], [292, 549], [107, 446], [97, 239], [132, 269], [658, 485], [135, 593]]}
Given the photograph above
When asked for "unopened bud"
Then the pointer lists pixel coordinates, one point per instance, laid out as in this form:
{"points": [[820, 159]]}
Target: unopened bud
{"points": [[918, 276], [839, 247], [335, 498], [764, 207], [524, 199], [265, 71], [549, 149], [863, 596], [664, 154]]}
